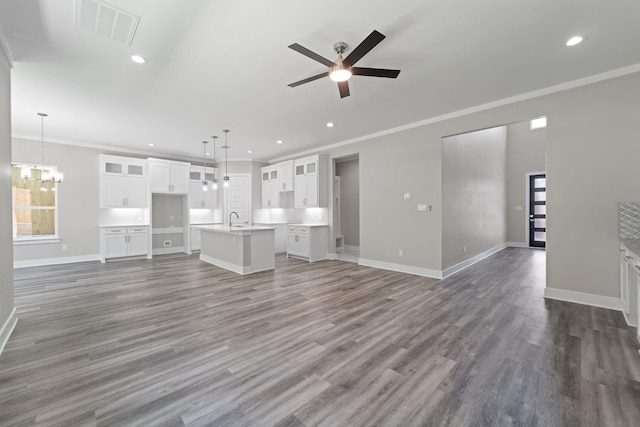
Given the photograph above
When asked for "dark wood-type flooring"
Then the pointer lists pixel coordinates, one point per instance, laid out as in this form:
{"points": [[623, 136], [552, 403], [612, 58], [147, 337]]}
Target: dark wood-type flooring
{"points": [[174, 341]]}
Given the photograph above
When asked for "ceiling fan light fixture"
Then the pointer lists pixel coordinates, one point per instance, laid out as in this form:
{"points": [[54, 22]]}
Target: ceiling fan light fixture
{"points": [[339, 72]]}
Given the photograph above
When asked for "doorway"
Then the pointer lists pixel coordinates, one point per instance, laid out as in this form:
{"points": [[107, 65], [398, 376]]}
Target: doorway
{"points": [[237, 198], [346, 208], [538, 210]]}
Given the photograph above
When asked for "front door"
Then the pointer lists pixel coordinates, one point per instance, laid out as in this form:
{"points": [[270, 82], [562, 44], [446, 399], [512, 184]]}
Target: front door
{"points": [[537, 210]]}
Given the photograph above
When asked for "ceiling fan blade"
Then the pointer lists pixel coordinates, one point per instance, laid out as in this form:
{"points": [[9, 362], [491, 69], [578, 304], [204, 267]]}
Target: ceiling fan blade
{"points": [[343, 87], [375, 72], [363, 48], [308, 79], [306, 52]]}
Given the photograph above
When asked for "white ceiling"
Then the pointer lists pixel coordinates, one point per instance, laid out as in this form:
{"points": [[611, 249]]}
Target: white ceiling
{"points": [[225, 64]]}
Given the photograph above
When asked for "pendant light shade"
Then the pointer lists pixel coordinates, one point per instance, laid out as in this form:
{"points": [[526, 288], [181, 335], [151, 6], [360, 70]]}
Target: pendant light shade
{"points": [[214, 184], [47, 175], [226, 164], [205, 183]]}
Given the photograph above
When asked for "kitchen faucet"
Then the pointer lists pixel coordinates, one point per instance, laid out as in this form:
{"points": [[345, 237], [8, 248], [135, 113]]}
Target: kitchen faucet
{"points": [[230, 215]]}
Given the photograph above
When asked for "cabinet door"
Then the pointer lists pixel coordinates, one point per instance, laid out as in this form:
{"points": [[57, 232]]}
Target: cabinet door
{"points": [[303, 244], [113, 191], [195, 195], [195, 240], [136, 193], [115, 245], [180, 179], [138, 244], [210, 199], [292, 243], [265, 193], [300, 194], [312, 190], [286, 176], [113, 168], [160, 177], [135, 170]]}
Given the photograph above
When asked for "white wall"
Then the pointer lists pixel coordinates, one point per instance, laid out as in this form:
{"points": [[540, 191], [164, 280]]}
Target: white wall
{"points": [[6, 230], [525, 154], [349, 173], [474, 194]]}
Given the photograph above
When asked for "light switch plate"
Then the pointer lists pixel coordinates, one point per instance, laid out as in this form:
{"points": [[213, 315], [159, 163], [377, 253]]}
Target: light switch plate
{"points": [[407, 196]]}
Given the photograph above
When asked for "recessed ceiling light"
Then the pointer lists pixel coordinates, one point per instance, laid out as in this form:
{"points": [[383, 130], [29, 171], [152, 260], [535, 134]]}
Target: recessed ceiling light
{"points": [[279, 141], [540, 122], [138, 59], [330, 124], [250, 151], [152, 144], [207, 154], [574, 41]]}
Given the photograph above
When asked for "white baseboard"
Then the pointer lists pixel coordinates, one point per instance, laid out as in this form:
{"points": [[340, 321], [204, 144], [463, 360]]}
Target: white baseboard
{"points": [[231, 267], [7, 329], [350, 248], [517, 245], [466, 263], [629, 321], [418, 271], [332, 256], [54, 261], [583, 298]]}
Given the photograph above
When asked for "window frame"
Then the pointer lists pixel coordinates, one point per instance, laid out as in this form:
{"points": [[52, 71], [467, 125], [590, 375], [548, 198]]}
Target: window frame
{"points": [[37, 239]]}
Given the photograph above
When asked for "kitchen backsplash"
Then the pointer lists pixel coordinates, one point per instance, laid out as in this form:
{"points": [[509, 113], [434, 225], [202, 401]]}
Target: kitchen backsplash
{"points": [[629, 220], [291, 216]]}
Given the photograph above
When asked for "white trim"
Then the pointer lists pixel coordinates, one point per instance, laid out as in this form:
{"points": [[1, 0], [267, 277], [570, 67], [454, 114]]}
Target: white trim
{"points": [[332, 256], [167, 230], [7, 329], [410, 269], [482, 107], [18, 241], [629, 322], [468, 262], [5, 49], [517, 245], [55, 261], [583, 298]]}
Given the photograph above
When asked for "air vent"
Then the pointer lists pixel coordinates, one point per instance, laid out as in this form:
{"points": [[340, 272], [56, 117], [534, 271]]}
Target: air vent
{"points": [[101, 18]]}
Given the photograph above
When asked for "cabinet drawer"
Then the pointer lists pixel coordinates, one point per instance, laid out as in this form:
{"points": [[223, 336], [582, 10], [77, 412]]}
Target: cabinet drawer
{"points": [[137, 229], [121, 230], [303, 230]]}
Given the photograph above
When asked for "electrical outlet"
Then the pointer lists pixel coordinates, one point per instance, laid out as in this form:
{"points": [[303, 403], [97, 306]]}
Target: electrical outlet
{"points": [[464, 249], [65, 247], [400, 252]]}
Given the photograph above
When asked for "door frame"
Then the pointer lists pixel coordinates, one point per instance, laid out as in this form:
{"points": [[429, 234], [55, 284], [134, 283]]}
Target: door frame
{"points": [[527, 193], [225, 203]]}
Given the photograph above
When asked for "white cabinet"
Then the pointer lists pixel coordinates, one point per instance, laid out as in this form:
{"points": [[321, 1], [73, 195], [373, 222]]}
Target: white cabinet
{"points": [[169, 177], [198, 198], [285, 178], [270, 192], [118, 242], [196, 238], [629, 282], [309, 242], [123, 182], [311, 182]]}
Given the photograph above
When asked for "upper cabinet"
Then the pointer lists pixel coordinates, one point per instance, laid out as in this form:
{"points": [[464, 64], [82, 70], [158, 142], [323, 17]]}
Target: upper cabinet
{"points": [[285, 179], [270, 184], [311, 182], [169, 177], [123, 182], [198, 198]]}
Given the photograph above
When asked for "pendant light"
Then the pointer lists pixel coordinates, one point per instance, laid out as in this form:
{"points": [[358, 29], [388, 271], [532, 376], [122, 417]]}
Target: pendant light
{"points": [[226, 165], [47, 176], [205, 184], [214, 183]]}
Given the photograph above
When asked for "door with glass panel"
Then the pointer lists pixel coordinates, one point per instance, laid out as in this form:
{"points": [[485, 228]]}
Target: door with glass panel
{"points": [[537, 210]]}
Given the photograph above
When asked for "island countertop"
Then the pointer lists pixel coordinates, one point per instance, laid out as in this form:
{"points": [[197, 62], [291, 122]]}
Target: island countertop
{"points": [[242, 229]]}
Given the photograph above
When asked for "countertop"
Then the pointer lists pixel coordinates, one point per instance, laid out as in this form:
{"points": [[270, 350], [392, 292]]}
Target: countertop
{"points": [[219, 228], [309, 225], [122, 225]]}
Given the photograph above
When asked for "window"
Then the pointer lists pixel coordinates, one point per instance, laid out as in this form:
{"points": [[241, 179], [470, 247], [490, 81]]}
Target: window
{"points": [[34, 204]]}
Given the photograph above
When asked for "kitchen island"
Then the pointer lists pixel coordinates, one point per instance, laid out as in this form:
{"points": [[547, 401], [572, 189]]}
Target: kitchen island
{"points": [[243, 249]]}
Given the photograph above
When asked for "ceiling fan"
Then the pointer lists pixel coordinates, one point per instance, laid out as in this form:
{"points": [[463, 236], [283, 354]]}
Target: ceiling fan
{"points": [[341, 70]]}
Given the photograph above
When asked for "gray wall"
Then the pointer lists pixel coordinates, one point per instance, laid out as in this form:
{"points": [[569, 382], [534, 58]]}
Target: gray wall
{"points": [[167, 211], [349, 173], [525, 154], [6, 231], [474, 194]]}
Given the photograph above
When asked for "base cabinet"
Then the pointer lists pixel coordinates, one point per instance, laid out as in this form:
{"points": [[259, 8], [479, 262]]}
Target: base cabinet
{"points": [[117, 242], [196, 239], [307, 242], [629, 285]]}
